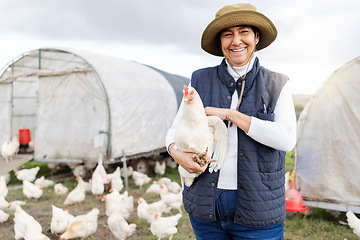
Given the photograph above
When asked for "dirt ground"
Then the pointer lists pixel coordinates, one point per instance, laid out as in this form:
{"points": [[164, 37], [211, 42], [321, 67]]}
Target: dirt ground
{"points": [[41, 210]]}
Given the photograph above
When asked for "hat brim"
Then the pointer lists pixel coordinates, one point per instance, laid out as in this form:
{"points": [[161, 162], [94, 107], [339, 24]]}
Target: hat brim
{"points": [[210, 41]]}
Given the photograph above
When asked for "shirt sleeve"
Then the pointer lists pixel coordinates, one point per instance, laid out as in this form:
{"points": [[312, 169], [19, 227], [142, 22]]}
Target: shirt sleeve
{"points": [[280, 134], [170, 136]]}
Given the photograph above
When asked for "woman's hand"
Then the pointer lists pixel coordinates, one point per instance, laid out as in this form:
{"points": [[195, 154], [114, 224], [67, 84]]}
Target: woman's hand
{"points": [[221, 113], [185, 159]]}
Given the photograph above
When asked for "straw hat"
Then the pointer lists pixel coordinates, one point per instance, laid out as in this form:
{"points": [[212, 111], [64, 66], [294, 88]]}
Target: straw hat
{"points": [[234, 15]]}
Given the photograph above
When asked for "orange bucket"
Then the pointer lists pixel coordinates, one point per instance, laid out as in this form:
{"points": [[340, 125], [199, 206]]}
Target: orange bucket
{"points": [[24, 136]]}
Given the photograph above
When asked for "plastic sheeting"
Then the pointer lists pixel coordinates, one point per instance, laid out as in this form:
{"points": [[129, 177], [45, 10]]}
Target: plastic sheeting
{"points": [[327, 154], [79, 96]]}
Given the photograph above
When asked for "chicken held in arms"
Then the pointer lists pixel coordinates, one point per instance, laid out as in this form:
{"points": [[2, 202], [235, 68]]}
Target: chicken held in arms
{"points": [[206, 136]]}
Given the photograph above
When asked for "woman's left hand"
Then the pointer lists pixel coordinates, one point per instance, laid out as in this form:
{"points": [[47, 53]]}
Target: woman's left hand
{"points": [[218, 112]]}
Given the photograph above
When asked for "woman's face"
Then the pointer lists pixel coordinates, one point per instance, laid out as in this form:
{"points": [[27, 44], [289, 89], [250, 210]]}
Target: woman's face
{"points": [[238, 44]]}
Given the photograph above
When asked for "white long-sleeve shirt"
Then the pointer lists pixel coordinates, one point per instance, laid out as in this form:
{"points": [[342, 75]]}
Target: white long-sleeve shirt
{"points": [[280, 134]]}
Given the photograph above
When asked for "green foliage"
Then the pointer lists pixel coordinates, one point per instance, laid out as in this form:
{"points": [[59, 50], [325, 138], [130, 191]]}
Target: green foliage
{"points": [[289, 161]]}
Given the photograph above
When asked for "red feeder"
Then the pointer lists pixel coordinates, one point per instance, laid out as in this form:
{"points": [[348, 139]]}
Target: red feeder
{"points": [[293, 199], [24, 137]]}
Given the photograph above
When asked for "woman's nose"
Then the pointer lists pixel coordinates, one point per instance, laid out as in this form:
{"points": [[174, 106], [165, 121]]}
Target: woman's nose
{"points": [[237, 40]]}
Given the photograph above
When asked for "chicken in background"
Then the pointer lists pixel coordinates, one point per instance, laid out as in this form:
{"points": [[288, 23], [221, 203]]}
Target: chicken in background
{"points": [[60, 189], [172, 186], [118, 225], [147, 211], [129, 171], [116, 181], [83, 226], [170, 162], [206, 136], [4, 205], [25, 223], [3, 216], [30, 190], [79, 171], [42, 182], [27, 174], [10, 148], [87, 185], [100, 170], [160, 168], [173, 200], [140, 178], [14, 204], [76, 195], [164, 226], [3, 187], [354, 222], [60, 220], [97, 185], [154, 188], [114, 200]]}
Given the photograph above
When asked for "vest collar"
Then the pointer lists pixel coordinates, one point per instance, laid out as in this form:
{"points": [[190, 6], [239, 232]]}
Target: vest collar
{"points": [[229, 81]]}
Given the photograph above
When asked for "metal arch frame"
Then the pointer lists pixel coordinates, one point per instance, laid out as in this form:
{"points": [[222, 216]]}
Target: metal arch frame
{"points": [[11, 63]]}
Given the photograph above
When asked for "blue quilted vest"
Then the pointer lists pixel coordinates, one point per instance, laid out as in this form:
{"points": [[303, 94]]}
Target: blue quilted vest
{"points": [[261, 169]]}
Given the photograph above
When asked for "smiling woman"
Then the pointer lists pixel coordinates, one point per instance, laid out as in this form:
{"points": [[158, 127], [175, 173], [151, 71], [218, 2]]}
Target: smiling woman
{"points": [[245, 199]]}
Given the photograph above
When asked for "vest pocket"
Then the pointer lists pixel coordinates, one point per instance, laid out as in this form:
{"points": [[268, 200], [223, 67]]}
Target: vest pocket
{"points": [[266, 116]]}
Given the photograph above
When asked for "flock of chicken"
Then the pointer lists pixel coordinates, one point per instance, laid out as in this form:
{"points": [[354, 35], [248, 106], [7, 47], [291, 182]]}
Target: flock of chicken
{"points": [[118, 206]]}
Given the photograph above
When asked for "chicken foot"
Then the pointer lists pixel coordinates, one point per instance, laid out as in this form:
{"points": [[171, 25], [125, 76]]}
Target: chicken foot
{"points": [[201, 158]]}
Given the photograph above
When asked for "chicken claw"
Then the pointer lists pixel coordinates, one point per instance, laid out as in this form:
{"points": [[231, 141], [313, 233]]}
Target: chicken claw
{"points": [[201, 158]]}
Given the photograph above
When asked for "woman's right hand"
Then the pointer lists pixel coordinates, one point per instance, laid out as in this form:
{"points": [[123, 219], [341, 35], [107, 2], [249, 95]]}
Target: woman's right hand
{"points": [[185, 159]]}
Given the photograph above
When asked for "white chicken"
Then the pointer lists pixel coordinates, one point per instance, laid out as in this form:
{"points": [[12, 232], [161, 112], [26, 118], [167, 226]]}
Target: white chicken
{"points": [[14, 204], [140, 178], [97, 185], [24, 223], [42, 182], [27, 174], [100, 170], [154, 188], [119, 227], [30, 190], [160, 168], [60, 189], [171, 163], [200, 134], [4, 205], [3, 216], [83, 226], [147, 211], [354, 222], [79, 171], [60, 220], [129, 171], [87, 185], [10, 148], [3, 187], [174, 187], [116, 181], [76, 195], [114, 200], [173, 200], [164, 226]]}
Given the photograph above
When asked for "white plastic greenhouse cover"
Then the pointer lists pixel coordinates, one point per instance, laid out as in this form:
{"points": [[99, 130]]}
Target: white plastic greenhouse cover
{"points": [[67, 99], [327, 154]]}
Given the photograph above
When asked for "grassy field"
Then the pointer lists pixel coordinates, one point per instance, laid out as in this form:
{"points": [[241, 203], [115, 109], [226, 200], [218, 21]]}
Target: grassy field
{"points": [[319, 224]]}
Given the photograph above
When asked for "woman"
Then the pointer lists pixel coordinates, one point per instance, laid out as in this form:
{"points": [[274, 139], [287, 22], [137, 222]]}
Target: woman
{"points": [[246, 198]]}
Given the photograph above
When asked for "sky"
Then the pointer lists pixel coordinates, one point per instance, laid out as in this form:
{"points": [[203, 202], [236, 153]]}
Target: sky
{"points": [[315, 37]]}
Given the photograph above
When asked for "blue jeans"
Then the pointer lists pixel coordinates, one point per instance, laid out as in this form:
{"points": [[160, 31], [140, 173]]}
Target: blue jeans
{"points": [[225, 228]]}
